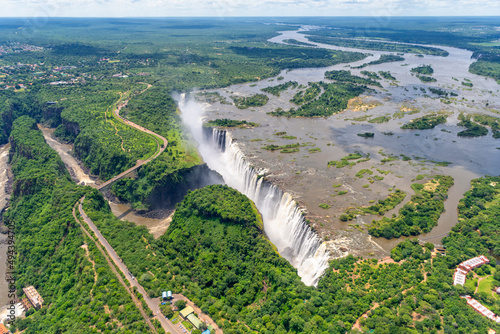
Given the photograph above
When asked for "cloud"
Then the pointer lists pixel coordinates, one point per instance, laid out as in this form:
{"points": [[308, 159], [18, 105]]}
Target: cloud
{"points": [[245, 7]]}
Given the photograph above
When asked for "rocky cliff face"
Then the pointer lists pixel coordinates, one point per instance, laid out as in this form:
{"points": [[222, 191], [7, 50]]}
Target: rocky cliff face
{"points": [[179, 183]]}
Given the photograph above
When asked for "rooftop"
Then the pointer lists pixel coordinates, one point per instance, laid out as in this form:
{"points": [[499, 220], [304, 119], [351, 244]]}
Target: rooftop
{"points": [[187, 311]]}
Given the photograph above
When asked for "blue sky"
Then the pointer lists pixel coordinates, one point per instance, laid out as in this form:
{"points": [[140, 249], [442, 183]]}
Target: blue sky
{"points": [[157, 8]]}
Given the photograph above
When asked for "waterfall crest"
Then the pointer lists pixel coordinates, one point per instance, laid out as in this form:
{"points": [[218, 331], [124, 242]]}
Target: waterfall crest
{"points": [[284, 223]]}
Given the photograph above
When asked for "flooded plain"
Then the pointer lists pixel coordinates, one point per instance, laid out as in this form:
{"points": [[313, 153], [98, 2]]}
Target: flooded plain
{"points": [[308, 178]]}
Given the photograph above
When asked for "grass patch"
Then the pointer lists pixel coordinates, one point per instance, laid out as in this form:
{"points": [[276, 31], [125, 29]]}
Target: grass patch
{"points": [[425, 122], [277, 90], [257, 100], [230, 123], [418, 216], [362, 173]]}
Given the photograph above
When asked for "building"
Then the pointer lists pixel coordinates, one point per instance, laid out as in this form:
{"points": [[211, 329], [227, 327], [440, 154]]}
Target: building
{"points": [[26, 304], [166, 295], [481, 309], [473, 263], [187, 311], [3, 329], [34, 297], [194, 320], [459, 277]]}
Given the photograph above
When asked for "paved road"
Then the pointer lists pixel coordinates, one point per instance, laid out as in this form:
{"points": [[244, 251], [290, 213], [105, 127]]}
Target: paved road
{"points": [[166, 324], [120, 279], [161, 147]]}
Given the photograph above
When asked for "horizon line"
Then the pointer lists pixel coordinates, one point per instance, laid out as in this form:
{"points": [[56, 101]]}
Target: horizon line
{"points": [[246, 16]]}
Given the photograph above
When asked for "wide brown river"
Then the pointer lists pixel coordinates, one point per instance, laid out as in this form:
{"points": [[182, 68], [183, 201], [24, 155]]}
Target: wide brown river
{"points": [[305, 174]]}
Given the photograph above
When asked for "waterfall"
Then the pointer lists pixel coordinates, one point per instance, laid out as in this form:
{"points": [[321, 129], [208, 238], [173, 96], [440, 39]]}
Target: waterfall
{"points": [[284, 223]]}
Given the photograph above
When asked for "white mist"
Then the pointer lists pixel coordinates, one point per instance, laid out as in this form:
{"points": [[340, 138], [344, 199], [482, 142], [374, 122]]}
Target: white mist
{"points": [[283, 220]]}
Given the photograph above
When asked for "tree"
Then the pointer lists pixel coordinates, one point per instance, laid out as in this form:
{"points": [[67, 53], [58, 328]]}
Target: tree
{"points": [[167, 311], [180, 304]]}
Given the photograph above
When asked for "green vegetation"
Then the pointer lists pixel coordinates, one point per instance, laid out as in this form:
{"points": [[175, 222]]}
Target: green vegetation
{"points": [[491, 121], [230, 123], [156, 110], [276, 90], [386, 75], [382, 206], [307, 95], [283, 135], [440, 92], [226, 266], [418, 216], [362, 173], [426, 122], [488, 68], [359, 157], [467, 84], [371, 75], [366, 134], [325, 206], [379, 46], [296, 57], [333, 100], [383, 59], [257, 100], [219, 228], [423, 69], [49, 248], [426, 79], [473, 129], [228, 284], [288, 148], [347, 77], [380, 119]]}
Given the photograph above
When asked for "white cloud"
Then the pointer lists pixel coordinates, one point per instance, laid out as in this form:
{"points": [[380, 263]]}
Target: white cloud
{"points": [[245, 7]]}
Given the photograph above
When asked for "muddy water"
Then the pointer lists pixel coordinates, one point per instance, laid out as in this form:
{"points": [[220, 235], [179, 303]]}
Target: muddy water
{"points": [[4, 196], [156, 227], [124, 212], [306, 175], [78, 174]]}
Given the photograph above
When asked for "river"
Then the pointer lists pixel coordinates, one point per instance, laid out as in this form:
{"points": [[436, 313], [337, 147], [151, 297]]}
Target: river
{"points": [[305, 174], [123, 211], [4, 197]]}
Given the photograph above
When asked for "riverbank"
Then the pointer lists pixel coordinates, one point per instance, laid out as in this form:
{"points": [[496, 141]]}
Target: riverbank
{"points": [[397, 157], [156, 225], [4, 198]]}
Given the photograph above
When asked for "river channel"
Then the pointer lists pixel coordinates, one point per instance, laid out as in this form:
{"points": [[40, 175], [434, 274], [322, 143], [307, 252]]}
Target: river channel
{"points": [[4, 197], [307, 177], [78, 173]]}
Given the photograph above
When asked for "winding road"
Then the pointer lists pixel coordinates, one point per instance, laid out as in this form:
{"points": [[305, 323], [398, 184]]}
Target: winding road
{"points": [[157, 137], [108, 251], [111, 254]]}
